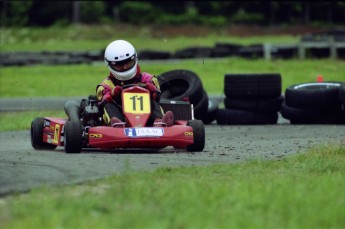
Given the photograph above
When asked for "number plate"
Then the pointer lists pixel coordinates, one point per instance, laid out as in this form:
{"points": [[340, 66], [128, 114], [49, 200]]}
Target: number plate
{"points": [[136, 103]]}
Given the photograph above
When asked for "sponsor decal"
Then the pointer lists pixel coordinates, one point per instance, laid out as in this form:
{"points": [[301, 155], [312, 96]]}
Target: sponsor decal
{"points": [[188, 134], [56, 134], [46, 123], [96, 135], [144, 132]]}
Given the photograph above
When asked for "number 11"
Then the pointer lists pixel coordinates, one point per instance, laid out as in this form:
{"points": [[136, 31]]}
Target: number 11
{"points": [[135, 98]]}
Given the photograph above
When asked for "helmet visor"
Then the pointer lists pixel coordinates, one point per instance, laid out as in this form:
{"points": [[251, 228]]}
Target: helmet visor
{"points": [[123, 65]]}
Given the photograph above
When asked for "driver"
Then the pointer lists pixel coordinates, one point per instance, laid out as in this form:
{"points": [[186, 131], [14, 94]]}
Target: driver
{"points": [[122, 60]]}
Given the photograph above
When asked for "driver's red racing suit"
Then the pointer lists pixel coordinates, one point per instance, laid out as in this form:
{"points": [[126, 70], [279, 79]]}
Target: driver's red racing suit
{"points": [[114, 109]]}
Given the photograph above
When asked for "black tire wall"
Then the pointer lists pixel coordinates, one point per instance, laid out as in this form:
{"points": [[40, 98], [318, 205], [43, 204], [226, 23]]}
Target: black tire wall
{"points": [[251, 99], [185, 85], [314, 103]]}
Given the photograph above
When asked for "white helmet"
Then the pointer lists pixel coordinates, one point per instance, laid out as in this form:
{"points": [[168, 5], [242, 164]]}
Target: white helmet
{"points": [[121, 58]]}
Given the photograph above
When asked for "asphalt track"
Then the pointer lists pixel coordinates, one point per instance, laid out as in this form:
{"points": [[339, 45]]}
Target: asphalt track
{"points": [[23, 168]]}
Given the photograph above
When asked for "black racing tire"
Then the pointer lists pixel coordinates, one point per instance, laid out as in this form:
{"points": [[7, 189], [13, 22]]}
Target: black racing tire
{"points": [[73, 137], [255, 104], [253, 51], [181, 84], [252, 85], [212, 109], [200, 109], [241, 117], [153, 55], [309, 116], [193, 52], [225, 49], [314, 95], [36, 135], [342, 94], [198, 135]]}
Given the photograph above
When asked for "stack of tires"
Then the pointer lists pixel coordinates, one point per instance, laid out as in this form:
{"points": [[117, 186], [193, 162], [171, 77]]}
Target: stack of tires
{"points": [[342, 97], [315, 103], [251, 99], [185, 85], [212, 111]]}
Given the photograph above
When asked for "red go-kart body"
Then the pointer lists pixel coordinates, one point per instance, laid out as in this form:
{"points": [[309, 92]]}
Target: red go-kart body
{"points": [[75, 133]]}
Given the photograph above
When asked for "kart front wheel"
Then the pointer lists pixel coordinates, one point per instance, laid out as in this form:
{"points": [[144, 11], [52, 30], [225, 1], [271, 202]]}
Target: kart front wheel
{"points": [[73, 135], [36, 135], [198, 135]]}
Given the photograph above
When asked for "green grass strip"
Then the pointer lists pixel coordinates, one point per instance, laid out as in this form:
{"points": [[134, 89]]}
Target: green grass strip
{"points": [[12, 121], [300, 191], [81, 80], [84, 38]]}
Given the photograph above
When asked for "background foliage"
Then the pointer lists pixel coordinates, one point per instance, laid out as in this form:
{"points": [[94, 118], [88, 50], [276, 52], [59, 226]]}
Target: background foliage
{"points": [[47, 13]]}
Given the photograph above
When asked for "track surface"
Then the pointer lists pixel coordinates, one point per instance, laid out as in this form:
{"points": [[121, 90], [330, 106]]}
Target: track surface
{"points": [[22, 168]]}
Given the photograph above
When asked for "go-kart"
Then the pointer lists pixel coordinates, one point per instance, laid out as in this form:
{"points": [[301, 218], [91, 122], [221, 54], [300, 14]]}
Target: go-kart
{"points": [[85, 127]]}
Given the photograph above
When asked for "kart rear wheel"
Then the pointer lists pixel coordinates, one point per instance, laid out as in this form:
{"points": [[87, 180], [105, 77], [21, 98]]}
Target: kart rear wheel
{"points": [[73, 135], [36, 135], [198, 135]]}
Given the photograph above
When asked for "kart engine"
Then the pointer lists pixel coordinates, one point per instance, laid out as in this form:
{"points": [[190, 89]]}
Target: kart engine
{"points": [[90, 115]]}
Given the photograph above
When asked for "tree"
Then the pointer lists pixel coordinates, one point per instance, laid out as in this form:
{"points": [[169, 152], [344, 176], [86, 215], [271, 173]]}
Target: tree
{"points": [[15, 13], [76, 12]]}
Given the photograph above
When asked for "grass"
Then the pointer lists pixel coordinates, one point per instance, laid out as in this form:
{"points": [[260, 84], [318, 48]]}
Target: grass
{"points": [[11, 121], [81, 80], [300, 191], [97, 37]]}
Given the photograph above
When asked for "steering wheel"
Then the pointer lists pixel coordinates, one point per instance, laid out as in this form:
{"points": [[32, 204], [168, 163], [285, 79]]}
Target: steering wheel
{"points": [[143, 85]]}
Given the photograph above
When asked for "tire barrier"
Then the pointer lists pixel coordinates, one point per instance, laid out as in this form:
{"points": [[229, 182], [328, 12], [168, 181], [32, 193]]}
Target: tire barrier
{"points": [[318, 45], [253, 52], [153, 55], [264, 105], [336, 34], [212, 111], [225, 50], [314, 103], [49, 58], [342, 94], [241, 117], [252, 85], [342, 97], [251, 99], [193, 52], [182, 85]]}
